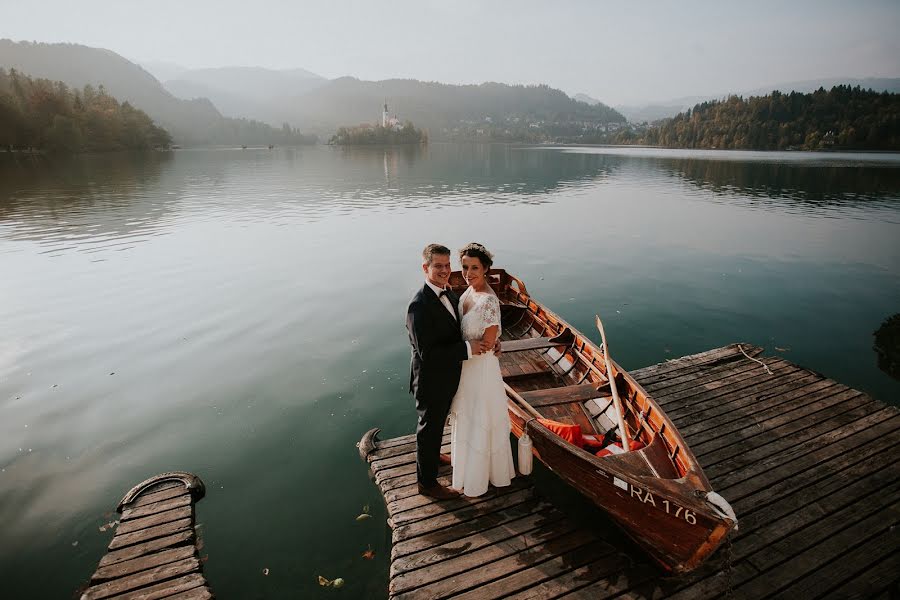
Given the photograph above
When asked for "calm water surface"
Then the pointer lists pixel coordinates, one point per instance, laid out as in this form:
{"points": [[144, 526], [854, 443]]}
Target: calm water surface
{"points": [[239, 314]]}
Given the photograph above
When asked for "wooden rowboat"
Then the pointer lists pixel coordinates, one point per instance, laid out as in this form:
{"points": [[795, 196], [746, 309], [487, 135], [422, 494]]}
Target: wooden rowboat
{"points": [[657, 492]]}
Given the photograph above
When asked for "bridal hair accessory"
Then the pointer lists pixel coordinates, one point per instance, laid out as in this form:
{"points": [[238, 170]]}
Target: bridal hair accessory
{"points": [[479, 248]]}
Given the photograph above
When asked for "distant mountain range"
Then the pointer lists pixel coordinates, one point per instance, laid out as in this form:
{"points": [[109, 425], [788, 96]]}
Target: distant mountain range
{"points": [[315, 104], [251, 92], [190, 122], [638, 113]]}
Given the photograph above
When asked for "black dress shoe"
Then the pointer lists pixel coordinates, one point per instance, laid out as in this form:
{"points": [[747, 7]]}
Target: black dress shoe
{"points": [[438, 492]]}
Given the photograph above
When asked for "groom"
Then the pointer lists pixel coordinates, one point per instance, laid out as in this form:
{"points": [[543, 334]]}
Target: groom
{"points": [[438, 350]]}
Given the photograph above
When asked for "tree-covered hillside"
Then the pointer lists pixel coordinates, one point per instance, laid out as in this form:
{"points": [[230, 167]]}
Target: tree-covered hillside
{"points": [[844, 117], [191, 122], [45, 115], [490, 110]]}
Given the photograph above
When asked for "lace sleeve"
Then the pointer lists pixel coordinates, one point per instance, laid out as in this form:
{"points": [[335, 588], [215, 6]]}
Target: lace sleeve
{"points": [[490, 311]]}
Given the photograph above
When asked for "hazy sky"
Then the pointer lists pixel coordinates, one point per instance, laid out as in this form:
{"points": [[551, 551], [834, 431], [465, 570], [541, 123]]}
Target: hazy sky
{"points": [[618, 52]]}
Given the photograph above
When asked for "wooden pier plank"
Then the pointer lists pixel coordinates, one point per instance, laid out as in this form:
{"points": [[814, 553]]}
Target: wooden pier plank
{"points": [[154, 552], [810, 466]]}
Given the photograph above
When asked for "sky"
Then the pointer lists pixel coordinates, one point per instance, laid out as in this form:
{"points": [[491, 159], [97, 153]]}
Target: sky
{"points": [[625, 52]]}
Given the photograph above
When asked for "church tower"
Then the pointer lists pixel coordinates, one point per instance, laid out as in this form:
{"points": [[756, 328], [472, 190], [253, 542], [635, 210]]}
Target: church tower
{"points": [[384, 115]]}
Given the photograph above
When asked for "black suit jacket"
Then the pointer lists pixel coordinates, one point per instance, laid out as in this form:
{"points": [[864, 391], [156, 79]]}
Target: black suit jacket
{"points": [[438, 348]]}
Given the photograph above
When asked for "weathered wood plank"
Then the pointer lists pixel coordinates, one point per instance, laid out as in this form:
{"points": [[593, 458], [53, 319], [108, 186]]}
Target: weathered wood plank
{"points": [[793, 574], [155, 519], [127, 539], [417, 501], [707, 357], [776, 467], [696, 378], [772, 441], [877, 582], [452, 506], [749, 402], [142, 563], [173, 588], [156, 507], [692, 398], [787, 417], [178, 539], [438, 581], [144, 578], [170, 492], [830, 520], [486, 536], [540, 572], [407, 458], [845, 474], [194, 594], [447, 535], [562, 395], [400, 449], [442, 520]]}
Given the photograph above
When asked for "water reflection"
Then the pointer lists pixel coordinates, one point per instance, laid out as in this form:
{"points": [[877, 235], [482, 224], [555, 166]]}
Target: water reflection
{"points": [[802, 182], [816, 186], [111, 201], [83, 201]]}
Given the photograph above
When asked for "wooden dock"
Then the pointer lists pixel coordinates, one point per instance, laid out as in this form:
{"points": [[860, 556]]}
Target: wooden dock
{"points": [[154, 552], [811, 467]]}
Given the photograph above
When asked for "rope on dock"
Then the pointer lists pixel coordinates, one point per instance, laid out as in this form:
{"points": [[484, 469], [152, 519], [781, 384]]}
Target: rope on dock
{"points": [[764, 365]]}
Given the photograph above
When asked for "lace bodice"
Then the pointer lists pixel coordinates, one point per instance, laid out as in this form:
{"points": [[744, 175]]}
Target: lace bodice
{"points": [[484, 312]]}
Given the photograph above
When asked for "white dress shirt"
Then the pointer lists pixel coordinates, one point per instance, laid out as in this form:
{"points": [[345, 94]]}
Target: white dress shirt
{"points": [[446, 302]]}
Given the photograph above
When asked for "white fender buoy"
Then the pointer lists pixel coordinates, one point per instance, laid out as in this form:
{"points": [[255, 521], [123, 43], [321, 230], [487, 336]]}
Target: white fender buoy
{"points": [[525, 455], [721, 506]]}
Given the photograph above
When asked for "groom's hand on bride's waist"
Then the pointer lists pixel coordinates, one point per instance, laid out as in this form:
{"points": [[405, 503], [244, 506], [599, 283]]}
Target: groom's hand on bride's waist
{"points": [[497, 350]]}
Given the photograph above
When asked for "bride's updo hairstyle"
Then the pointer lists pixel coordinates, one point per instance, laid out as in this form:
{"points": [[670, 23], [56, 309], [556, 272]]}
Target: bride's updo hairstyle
{"points": [[476, 250]]}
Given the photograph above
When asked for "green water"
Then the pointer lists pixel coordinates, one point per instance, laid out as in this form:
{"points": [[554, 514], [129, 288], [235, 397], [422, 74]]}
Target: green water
{"points": [[240, 315]]}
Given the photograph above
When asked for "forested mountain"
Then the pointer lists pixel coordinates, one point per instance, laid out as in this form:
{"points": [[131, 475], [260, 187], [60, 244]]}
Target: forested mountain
{"points": [[44, 115], [639, 113], [191, 122], [447, 111], [841, 118]]}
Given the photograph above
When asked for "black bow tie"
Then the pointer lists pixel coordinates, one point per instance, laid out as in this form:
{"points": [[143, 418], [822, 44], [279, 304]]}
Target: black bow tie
{"points": [[444, 293]]}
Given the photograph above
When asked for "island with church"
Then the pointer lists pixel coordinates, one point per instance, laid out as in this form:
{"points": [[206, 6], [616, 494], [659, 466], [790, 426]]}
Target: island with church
{"points": [[390, 131]]}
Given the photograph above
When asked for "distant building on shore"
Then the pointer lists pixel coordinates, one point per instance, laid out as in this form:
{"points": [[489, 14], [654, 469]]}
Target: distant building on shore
{"points": [[388, 121]]}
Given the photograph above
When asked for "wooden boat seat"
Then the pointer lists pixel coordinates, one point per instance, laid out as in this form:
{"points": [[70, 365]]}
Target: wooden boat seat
{"points": [[561, 395], [539, 343]]}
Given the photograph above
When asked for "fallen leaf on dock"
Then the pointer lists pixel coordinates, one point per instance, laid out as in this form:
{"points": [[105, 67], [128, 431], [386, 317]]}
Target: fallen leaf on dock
{"points": [[324, 582], [369, 554], [337, 583], [363, 517], [265, 571]]}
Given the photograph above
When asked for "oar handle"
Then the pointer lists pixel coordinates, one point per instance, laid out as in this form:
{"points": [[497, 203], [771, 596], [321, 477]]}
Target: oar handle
{"points": [[626, 439], [522, 402]]}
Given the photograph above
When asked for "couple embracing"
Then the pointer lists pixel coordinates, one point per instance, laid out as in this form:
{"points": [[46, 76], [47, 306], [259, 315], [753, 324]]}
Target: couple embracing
{"points": [[455, 371]]}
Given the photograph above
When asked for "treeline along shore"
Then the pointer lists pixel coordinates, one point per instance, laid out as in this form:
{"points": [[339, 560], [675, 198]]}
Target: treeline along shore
{"points": [[46, 116], [378, 135], [845, 118]]}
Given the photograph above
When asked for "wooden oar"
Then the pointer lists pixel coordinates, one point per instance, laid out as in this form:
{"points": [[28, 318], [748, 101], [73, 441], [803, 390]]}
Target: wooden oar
{"points": [[521, 402], [626, 439]]}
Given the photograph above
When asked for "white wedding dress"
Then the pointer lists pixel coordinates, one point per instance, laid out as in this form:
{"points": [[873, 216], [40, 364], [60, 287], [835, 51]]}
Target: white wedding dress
{"points": [[479, 445]]}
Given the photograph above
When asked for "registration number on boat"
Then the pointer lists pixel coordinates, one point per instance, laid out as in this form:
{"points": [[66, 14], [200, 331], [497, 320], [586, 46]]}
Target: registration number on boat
{"points": [[677, 511]]}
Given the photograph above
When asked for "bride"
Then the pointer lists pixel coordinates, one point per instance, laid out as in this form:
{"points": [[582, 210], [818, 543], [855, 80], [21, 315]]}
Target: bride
{"points": [[479, 444]]}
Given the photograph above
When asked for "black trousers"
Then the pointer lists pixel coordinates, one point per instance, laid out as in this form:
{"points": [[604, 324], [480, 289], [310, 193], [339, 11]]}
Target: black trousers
{"points": [[429, 431]]}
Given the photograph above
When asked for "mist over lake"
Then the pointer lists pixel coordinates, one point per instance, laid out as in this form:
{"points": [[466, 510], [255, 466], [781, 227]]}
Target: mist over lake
{"points": [[239, 314]]}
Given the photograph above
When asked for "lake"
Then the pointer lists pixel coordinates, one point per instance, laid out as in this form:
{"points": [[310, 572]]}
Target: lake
{"points": [[240, 314]]}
